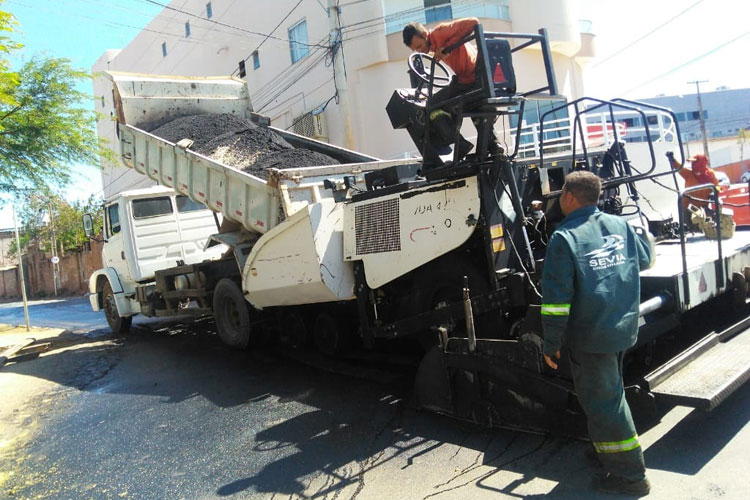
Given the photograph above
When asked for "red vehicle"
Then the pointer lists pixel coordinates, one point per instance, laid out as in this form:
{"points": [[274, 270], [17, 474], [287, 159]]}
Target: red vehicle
{"points": [[737, 195]]}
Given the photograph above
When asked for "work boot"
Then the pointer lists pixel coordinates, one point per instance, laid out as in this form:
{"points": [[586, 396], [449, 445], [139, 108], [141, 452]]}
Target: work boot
{"points": [[592, 457], [609, 483]]}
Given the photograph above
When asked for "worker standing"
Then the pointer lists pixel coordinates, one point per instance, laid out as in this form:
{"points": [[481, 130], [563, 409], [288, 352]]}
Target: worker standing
{"points": [[462, 61], [700, 173], [591, 295]]}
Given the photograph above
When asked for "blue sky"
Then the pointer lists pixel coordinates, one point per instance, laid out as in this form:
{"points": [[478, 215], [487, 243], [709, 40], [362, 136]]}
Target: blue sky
{"points": [[655, 46], [79, 30]]}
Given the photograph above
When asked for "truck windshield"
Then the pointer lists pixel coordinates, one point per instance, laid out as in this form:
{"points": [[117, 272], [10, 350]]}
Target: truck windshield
{"points": [[152, 207], [114, 219], [185, 204]]}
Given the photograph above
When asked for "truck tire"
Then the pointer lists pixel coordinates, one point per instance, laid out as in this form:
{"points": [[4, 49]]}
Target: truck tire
{"points": [[117, 323], [232, 315], [329, 335], [295, 329], [439, 283]]}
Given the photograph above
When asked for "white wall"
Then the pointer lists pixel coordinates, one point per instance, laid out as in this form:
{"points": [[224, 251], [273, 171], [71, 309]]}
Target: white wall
{"points": [[375, 65]]}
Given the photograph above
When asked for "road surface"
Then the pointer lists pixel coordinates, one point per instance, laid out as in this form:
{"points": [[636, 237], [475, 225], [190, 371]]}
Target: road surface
{"points": [[168, 413]]}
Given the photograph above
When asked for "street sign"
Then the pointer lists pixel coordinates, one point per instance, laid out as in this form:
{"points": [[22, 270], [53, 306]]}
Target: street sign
{"points": [[55, 259]]}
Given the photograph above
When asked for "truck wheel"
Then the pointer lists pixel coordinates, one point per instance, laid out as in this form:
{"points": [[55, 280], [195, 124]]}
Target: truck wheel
{"points": [[329, 337], [439, 284], [117, 323], [232, 315], [295, 331]]}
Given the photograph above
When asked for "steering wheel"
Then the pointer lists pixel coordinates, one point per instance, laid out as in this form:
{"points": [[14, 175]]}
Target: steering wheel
{"points": [[417, 65]]}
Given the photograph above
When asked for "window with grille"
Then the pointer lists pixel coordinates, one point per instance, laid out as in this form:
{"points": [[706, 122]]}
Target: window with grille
{"points": [[298, 46]]}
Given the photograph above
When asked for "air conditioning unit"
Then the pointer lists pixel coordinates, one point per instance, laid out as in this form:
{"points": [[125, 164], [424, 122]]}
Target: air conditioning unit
{"points": [[313, 126]]}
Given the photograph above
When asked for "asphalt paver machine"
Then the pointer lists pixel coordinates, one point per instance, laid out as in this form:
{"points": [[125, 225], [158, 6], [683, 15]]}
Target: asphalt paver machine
{"points": [[454, 254]]}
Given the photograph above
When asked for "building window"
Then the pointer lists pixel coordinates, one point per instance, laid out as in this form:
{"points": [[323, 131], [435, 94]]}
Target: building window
{"points": [[298, 41], [187, 29], [102, 101], [437, 10], [209, 11], [164, 49], [256, 60]]}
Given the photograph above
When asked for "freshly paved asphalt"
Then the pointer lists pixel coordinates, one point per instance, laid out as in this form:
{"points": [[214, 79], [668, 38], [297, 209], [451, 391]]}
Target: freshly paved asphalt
{"points": [[167, 412]]}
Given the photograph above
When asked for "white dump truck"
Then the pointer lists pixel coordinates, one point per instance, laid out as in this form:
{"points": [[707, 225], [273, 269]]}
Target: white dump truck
{"points": [[281, 239], [370, 250], [147, 230]]}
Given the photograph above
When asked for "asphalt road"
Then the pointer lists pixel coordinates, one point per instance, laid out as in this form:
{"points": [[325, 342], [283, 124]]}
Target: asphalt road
{"points": [[168, 413]]}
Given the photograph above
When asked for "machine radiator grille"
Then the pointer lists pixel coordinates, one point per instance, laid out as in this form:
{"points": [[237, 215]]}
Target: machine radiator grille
{"points": [[377, 227]]}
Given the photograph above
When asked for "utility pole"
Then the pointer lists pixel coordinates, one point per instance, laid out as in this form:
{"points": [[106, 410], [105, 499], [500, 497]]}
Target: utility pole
{"points": [[339, 73], [54, 248], [20, 271], [700, 115]]}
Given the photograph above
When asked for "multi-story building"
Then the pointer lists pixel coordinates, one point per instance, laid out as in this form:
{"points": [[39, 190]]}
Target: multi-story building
{"points": [[284, 52]]}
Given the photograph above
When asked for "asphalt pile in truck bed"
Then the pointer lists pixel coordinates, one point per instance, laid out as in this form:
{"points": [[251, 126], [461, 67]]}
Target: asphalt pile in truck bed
{"points": [[239, 143]]}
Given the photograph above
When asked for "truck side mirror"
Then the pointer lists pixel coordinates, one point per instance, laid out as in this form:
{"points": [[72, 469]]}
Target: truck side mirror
{"points": [[88, 225]]}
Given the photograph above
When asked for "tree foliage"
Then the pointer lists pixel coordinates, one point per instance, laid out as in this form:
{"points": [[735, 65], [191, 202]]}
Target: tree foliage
{"points": [[8, 78], [42, 215], [44, 128]]}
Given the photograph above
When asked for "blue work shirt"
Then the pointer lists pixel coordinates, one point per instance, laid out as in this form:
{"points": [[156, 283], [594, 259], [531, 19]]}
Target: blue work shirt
{"points": [[591, 284]]}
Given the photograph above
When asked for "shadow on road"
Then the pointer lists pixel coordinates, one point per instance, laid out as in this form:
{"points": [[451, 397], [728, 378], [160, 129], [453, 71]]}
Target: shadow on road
{"points": [[312, 433]]}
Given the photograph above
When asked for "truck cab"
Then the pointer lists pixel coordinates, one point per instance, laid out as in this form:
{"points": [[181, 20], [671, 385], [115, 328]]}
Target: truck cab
{"points": [[146, 230]]}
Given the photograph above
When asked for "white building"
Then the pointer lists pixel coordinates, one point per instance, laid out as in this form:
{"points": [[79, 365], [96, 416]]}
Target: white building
{"points": [[290, 74]]}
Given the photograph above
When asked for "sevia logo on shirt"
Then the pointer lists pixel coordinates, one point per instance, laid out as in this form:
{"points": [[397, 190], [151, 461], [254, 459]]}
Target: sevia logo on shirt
{"points": [[608, 255]]}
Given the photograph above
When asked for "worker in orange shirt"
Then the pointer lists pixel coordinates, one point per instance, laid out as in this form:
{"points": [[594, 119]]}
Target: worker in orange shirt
{"points": [[462, 61], [700, 173]]}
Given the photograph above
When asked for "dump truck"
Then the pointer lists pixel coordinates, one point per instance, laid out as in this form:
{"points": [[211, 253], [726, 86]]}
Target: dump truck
{"points": [[371, 251]]}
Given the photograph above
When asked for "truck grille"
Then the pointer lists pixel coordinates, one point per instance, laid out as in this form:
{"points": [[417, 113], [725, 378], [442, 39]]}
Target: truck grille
{"points": [[377, 227]]}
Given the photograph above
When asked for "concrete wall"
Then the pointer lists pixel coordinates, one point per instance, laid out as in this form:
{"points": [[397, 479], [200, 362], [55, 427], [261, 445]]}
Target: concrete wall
{"points": [[7, 240], [75, 269], [375, 61]]}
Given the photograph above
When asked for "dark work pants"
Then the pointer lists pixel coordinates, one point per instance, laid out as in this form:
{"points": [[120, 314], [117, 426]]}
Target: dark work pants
{"points": [[598, 383], [454, 89]]}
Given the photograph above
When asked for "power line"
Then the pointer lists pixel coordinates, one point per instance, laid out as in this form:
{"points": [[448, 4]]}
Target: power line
{"points": [[687, 63], [622, 49], [219, 23], [269, 35], [285, 73], [300, 95], [289, 74], [370, 23], [166, 20], [295, 80]]}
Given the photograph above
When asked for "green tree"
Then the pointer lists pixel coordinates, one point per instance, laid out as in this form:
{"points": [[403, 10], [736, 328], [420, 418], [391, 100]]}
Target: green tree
{"points": [[44, 126], [8, 78], [42, 215]]}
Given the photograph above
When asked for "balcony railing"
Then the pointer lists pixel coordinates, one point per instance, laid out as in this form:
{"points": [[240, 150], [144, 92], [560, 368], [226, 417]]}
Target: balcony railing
{"points": [[487, 9]]}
